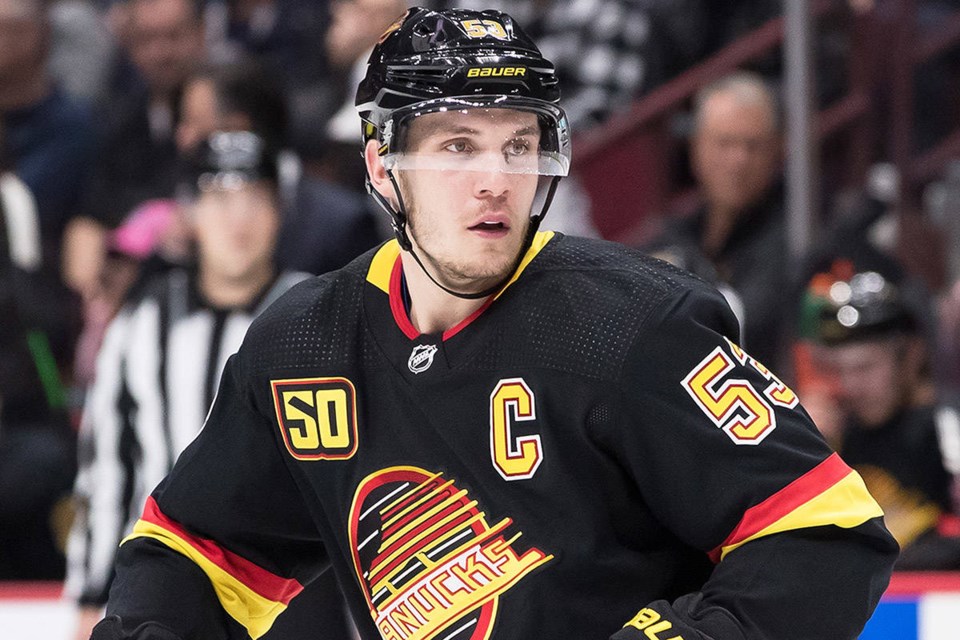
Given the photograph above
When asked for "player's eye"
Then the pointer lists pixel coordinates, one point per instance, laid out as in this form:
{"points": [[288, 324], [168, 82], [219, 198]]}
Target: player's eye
{"points": [[458, 147], [515, 148]]}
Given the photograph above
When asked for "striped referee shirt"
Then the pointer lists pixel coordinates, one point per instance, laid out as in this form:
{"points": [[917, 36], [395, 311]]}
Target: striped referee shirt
{"points": [[157, 373]]}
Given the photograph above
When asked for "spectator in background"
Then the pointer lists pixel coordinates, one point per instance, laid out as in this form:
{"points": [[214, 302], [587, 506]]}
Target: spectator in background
{"points": [[49, 135], [238, 95], [285, 34], [356, 26], [325, 225], [878, 406], [330, 153], [736, 158], [37, 459], [82, 48], [607, 52], [160, 366], [137, 160], [287, 37], [152, 239], [949, 316]]}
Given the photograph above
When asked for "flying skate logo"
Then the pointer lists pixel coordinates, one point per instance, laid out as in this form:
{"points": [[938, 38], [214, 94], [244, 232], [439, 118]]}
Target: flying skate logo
{"points": [[421, 357], [429, 564]]}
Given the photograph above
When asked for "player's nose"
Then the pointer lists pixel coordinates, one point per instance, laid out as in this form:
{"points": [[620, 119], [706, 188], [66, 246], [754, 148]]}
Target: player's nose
{"points": [[491, 184]]}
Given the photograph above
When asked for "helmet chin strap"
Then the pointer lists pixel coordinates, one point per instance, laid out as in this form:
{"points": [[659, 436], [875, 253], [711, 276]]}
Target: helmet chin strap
{"points": [[398, 219]]}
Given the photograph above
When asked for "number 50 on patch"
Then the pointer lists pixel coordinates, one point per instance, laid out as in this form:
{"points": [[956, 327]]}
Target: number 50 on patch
{"points": [[317, 417]]}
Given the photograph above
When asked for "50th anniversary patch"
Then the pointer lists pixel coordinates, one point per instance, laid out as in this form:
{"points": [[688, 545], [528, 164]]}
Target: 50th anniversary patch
{"points": [[317, 417]]}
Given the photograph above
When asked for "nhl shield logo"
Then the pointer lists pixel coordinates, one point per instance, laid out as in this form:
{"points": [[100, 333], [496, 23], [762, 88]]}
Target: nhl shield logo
{"points": [[421, 357]]}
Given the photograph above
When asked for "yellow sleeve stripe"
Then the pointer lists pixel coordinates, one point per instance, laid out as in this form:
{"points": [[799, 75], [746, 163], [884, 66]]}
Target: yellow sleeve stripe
{"points": [[540, 240], [831, 494], [251, 608]]}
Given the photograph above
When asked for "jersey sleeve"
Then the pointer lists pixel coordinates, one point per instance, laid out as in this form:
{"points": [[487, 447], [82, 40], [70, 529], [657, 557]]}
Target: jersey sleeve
{"points": [[229, 518], [728, 460]]}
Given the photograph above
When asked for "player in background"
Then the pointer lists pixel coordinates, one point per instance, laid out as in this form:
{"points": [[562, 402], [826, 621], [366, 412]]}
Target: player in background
{"points": [[490, 431], [881, 409]]}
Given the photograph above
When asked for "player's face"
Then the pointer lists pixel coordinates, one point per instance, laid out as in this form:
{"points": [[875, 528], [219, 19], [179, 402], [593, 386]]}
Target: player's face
{"points": [[236, 230], [468, 212], [873, 383]]}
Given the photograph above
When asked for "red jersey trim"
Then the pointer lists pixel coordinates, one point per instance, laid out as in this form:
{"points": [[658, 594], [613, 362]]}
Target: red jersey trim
{"points": [[386, 273], [250, 594], [829, 494]]}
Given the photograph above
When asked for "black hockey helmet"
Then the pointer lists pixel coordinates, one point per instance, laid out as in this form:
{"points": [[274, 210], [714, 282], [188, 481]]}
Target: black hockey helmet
{"points": [[845, 305], [228, 159], [434, 60], [456, 60]]}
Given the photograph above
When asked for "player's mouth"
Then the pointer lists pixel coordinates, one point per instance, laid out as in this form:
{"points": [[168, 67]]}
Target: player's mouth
{"points": [[490, 230], [491, 227]]}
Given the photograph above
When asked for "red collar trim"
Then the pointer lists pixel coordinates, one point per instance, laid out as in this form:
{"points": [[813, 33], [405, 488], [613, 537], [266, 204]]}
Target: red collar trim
{"points": [[454, 330], [396, 298], [400, 313], [396, 302]]}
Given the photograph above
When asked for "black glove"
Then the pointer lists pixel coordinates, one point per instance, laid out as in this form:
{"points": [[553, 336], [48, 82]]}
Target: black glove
{"points": [[110, 628], [666, 621], [649, 623]]}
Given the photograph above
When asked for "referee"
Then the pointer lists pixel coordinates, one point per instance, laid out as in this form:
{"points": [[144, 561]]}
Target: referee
{"points": [[161, 359]]}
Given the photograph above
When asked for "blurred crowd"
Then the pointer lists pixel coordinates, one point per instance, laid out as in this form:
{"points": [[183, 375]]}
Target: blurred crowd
{"points": [[168, 167]]}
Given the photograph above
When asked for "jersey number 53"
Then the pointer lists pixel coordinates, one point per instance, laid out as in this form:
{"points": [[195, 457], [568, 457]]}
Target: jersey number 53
{"points": [[732, 403]]}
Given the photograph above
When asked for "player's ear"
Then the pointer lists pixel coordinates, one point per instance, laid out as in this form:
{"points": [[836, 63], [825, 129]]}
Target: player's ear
{"points": [[377, 172]]}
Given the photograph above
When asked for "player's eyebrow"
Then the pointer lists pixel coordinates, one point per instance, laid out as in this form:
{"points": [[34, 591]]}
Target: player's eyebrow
{"points": [[434, 128], [526, 131], [431, 129]]}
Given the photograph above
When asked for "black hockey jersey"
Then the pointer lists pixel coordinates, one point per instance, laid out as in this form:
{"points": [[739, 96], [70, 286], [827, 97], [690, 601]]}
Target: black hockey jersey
{"points": [[586, 446]]}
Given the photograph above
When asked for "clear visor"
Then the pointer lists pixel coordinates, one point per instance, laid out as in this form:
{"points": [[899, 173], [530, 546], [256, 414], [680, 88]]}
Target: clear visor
{"points": [[459, 136], [538, 163]]}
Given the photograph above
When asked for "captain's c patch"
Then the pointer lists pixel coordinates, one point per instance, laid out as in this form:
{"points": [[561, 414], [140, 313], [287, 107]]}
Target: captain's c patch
{"points": [[317, 417]]}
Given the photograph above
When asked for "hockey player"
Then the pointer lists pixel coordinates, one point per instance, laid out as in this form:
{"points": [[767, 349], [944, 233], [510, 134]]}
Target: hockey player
{"points": [[489, 431], [893, 425]]}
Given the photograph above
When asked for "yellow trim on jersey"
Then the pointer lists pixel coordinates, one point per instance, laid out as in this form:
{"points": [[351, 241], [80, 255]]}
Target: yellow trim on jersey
{"points": [[382, 265], [846, 504], [540, 240], [255, 612]]}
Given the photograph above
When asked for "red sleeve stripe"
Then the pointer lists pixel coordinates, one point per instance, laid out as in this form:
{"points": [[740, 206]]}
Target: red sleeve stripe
{"points": [[829, 494], [255, 578]]}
